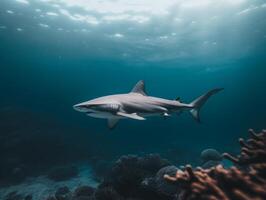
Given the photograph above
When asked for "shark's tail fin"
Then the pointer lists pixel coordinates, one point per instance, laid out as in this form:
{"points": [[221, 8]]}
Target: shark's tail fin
{"points": [[200, 101]]}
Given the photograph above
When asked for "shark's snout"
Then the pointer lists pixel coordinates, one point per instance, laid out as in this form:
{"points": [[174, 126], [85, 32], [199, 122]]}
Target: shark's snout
{"points": [[80, 108]]}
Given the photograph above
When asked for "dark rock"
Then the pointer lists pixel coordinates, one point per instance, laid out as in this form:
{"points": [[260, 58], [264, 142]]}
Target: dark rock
{"points": [[129, 171], [164, 187], [126, 175], [149, 184], [210, 154], [63, 193], [152, 162], [157, 187], [63, 173], [84, 191], [210, 164], [107, 193]]}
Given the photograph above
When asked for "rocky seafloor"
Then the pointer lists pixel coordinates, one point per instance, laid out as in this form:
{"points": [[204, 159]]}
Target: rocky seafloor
{"points": [[151, 177]]}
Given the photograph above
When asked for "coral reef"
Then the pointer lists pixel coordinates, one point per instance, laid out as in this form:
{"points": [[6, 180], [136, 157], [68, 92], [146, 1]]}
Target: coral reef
{"points": [[125, 181], [159, 185], [150, 177], [107, 193], [162, 186], [129, 171], [243, 183], [253, 151]]}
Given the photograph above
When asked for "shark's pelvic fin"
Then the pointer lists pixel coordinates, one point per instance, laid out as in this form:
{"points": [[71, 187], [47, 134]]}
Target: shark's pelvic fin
{"points": [[131, 115], [139, 88], [112, 122]]}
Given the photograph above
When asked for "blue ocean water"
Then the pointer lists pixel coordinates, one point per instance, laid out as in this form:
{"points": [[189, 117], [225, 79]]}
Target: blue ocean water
{"points": [[55, 54]]}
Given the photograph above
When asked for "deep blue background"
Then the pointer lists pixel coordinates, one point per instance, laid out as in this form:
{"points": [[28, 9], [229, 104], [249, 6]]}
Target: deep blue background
{"points": [[46, 73]]}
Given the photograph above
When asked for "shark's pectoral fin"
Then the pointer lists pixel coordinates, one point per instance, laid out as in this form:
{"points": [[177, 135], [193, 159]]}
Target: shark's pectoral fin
{"points": [[112, 122], [130, 115]]}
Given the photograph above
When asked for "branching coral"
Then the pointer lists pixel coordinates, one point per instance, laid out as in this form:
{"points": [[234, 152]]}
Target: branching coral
{"points": [[252, 151], [224, 184]]}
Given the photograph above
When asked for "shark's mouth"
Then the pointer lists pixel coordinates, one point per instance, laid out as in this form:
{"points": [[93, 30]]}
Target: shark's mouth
{"points": [[90, 112]]}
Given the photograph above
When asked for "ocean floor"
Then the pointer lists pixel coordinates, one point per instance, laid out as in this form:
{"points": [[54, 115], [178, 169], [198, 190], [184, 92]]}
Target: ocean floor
{"points": [[41, 187]]}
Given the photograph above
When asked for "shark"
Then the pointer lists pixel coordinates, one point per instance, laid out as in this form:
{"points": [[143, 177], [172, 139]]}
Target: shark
{"points": [[138, 105]]}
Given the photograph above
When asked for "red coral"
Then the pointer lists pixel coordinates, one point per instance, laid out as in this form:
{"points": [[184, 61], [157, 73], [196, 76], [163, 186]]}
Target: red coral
{"points": [[252, 151], [224, 184]]}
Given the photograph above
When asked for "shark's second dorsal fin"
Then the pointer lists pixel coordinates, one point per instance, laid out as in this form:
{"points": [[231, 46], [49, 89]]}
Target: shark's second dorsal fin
{"points": [[139, 88]]}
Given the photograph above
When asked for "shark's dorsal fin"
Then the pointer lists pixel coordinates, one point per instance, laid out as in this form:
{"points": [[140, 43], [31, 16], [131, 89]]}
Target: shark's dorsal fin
{"points": [[139, 88]]}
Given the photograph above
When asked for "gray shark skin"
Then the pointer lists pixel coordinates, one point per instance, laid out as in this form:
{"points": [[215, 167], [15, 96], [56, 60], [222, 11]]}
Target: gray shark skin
{"points": [[138, 105]]}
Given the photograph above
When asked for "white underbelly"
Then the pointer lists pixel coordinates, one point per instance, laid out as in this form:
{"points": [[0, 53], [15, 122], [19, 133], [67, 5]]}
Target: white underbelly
{"points": [[107, 115], [102, 115]]}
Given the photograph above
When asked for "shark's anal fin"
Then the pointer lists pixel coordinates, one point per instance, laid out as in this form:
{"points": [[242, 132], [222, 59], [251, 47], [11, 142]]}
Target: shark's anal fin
{"points": [[130, 115], [112, 122]]}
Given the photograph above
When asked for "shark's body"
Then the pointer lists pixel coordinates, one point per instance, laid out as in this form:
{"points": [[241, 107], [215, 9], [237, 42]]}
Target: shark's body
{"points": [[138, 105]]}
